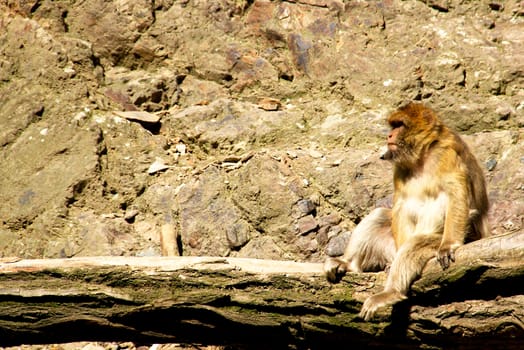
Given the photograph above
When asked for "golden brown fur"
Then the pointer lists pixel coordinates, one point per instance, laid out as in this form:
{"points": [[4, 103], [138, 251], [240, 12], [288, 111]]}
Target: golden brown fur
{"points": [[439, 203]]}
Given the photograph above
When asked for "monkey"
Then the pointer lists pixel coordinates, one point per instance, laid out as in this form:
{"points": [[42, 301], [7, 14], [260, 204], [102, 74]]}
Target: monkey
{"points": [[439, 203]]}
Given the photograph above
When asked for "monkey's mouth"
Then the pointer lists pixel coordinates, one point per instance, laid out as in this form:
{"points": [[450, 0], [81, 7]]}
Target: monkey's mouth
{"points": [[392, 147]]}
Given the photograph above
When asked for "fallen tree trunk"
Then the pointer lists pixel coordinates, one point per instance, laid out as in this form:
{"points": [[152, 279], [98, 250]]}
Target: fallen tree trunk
{"points": [[249, 303]]}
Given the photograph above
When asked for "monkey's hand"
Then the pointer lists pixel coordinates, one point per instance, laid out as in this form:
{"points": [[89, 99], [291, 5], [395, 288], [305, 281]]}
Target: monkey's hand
{"points": [[374, 302], [335, 269], [446, 254]]}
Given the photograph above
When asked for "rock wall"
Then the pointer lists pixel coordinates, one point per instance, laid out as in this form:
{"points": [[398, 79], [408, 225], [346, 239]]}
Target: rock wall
{"points": [[238, 128]]}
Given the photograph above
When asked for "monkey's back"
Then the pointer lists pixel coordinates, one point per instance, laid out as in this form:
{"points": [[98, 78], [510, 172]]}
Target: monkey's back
{"points": [[478, 197]]}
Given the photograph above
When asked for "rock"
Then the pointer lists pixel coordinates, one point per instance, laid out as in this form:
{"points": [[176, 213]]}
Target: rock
{"points": [[111, 27], [263, 247], [238, 234], [194, 91], [322, 235], [214, 67], [130, 215], [156, 166], [134, 90], [226, 123], [299, 48], [307, 244], [139, 116], [261, 109], [251, 69], [445, 70], [491, 164], [306, 224], [57, 168], [260, 13], [181, 148], [269, 104], [209, 223], [337, 245], [304, 207], [88, 234], [265, 180], [315, 154]]}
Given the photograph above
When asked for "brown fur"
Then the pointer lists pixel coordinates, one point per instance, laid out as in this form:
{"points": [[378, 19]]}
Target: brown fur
{"points": [[439, 203]]}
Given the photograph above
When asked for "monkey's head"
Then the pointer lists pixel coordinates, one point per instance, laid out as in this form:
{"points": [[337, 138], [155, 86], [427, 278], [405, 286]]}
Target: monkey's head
{"points": [[414, 128]]}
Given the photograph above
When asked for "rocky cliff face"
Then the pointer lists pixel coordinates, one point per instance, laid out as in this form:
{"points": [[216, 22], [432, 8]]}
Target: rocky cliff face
{"points": [[238, 128]]}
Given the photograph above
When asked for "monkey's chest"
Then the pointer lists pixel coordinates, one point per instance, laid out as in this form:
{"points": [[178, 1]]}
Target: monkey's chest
{"points": [[419, 212]]}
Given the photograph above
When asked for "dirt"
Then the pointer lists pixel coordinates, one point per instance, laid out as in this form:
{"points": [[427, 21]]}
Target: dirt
{"points": [[271, 119]]}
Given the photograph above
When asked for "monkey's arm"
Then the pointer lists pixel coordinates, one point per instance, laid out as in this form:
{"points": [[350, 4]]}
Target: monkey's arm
{"points": [[457, 211]]}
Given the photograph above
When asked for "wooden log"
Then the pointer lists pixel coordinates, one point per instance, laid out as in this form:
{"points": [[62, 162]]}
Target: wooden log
{"points": [[250, 303]]}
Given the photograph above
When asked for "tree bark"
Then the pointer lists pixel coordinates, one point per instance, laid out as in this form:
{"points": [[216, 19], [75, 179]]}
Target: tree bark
{"points": [[248, 303]]}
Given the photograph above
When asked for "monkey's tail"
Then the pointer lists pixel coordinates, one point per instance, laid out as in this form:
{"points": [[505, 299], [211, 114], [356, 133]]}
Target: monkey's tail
{"points": [[410, 261]]}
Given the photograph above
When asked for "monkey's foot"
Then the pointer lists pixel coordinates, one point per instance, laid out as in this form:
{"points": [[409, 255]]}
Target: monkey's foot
{"points": [[446, 253], [335, 269], [374, 302]]}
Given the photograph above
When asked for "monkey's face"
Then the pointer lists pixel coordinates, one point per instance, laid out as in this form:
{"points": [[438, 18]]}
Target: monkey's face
{"points": [[412, 129], [396, 143]]}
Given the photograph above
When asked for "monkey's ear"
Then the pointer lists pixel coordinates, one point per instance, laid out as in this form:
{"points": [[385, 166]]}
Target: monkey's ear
{"points": [[428, 116]]}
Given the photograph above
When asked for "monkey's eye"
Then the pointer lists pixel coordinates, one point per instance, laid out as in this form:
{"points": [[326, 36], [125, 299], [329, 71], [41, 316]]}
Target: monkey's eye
{"points": [[396, 124]]}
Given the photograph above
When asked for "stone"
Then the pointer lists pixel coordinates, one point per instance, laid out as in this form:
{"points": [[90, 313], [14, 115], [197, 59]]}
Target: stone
{"points": [[306, 224], [305, 206], [269, 104], [337, 245], [157, 166], [238, 234], [329, 220], [302, 87], [140, 116]]}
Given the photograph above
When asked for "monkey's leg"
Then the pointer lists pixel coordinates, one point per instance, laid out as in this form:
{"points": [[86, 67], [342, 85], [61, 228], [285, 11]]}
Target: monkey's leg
{"points": [[406, 268], [480, 226], [370, 248]]}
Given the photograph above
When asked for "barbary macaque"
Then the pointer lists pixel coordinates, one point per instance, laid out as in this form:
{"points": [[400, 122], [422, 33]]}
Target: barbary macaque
{"points": [[439, 203]]}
